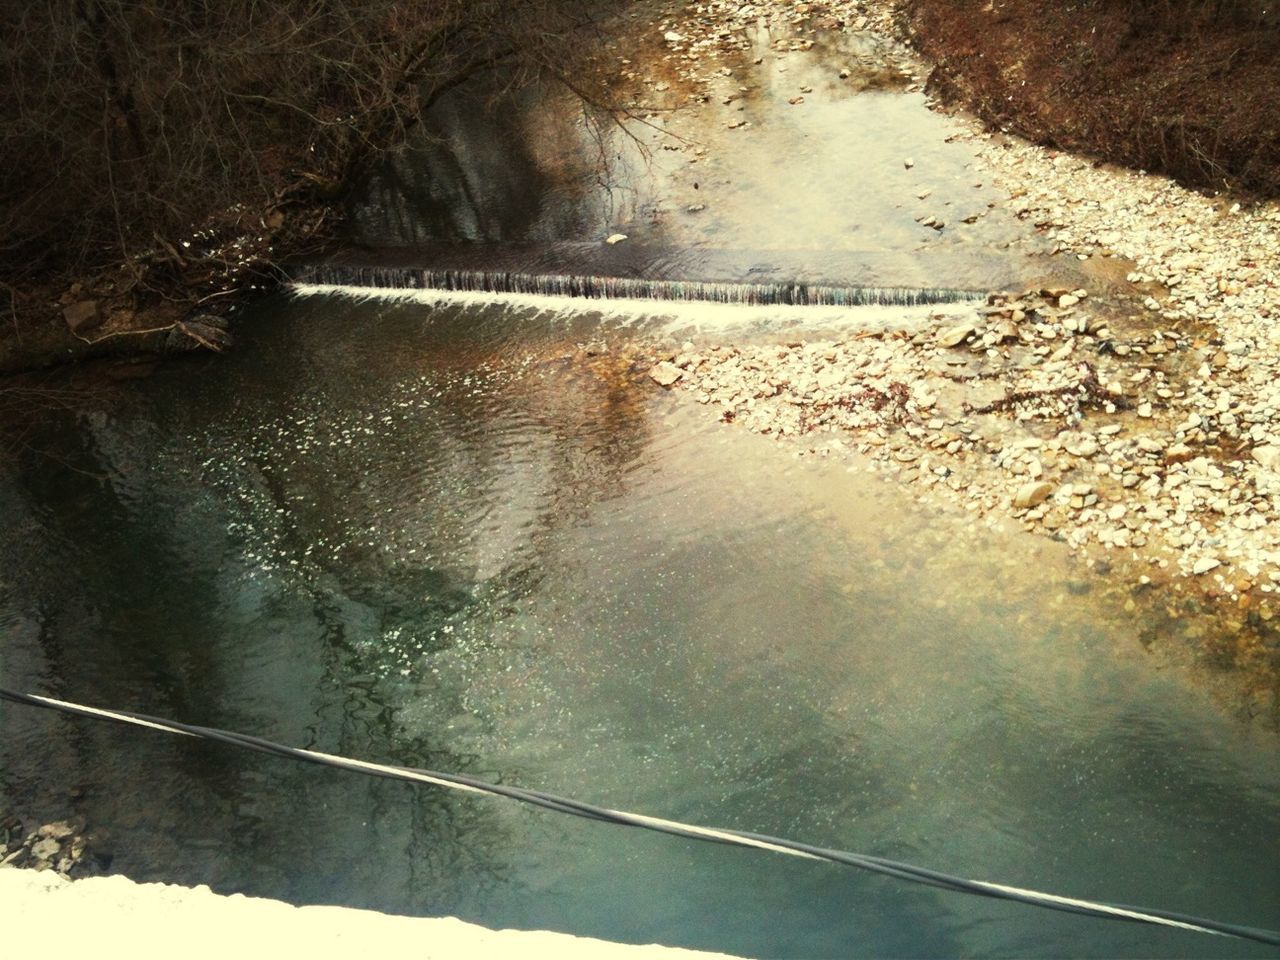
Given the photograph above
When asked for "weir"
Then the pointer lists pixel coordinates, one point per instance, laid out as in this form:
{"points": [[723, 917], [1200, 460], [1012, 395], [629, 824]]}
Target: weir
{"points": [[601, 272], [627, 288]]}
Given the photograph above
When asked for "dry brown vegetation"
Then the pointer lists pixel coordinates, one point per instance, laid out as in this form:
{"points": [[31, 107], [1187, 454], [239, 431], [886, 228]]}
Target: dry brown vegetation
{"points": [[1183, 87], [160, 152]]}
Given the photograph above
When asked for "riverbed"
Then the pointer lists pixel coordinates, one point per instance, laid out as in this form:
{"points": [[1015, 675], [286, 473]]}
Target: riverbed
{"points": [[473, 533], [442, 536]]}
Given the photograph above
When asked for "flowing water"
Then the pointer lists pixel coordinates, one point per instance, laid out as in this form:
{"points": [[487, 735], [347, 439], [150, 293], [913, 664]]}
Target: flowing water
{"points": [[444, 535], [466, 534], [596, 287]]}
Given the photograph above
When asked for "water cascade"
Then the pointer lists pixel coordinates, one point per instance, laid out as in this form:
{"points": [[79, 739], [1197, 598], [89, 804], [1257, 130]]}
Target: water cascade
{"points": [[796, 293]]}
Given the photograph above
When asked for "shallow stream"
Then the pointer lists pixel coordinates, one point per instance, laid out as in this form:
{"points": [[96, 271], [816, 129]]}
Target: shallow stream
{"points": [[441, 536], [447, 535]]}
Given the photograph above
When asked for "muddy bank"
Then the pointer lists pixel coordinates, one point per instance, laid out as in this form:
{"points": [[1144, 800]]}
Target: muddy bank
{"points": [[1171, 88]]}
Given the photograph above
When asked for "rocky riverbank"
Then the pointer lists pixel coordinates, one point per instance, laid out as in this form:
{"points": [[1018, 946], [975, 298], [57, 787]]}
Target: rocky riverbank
{"points": [[62, 846], [1133, 418]]}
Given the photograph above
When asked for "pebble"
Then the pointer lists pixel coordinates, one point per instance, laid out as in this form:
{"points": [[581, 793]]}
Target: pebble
{"points": [[1082, 448], [1267, 456], [665, 374], [955, 336], [1032, 494]]}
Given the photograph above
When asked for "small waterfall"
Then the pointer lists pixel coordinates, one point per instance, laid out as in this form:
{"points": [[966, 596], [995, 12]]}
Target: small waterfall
{"points": [[794, 293]]}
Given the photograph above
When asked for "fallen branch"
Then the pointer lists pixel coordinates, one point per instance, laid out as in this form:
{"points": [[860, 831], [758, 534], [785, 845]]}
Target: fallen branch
{"points": [[1088, 392]]}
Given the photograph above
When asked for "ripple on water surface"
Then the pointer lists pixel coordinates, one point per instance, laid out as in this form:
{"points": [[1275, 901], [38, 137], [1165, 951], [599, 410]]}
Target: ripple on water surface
{"points": [[440, 536]]}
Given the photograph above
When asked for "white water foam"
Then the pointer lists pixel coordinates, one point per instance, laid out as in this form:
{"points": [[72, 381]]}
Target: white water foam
{"points": [[670, 316]]}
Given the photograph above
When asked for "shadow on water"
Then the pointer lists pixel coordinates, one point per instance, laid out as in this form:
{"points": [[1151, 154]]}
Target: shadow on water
{"points": [[471, 536], [447, 536], [501, 165], [860, 174]]}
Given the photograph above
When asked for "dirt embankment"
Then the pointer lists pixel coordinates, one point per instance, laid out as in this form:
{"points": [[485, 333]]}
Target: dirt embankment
{"points": [[1186, 89]]}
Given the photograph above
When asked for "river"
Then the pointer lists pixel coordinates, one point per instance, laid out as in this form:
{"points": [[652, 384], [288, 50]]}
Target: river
{"points": [[468, 533], [437, 535]]}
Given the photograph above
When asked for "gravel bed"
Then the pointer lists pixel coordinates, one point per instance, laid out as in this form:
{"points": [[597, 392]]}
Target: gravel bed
{"points": [[1136, 419]]}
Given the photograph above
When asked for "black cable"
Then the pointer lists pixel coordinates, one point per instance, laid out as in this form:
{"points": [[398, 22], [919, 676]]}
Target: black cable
{"points": [[577, 808]]}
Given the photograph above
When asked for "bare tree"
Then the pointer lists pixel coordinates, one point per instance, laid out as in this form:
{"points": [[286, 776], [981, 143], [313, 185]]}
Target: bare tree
{"points": [[173, 144]]}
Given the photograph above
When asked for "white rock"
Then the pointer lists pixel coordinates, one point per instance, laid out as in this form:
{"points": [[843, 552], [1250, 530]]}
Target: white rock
{"points": [[1267, 455], [1082, 448], [665, 373], [1205, 564], [615, 238], [1032, 494], [954, 336]]}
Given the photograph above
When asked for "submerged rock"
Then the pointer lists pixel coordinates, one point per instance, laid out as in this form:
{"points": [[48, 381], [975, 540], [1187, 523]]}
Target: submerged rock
{"points": [[59, 830], [45, 849], [61, 846]]}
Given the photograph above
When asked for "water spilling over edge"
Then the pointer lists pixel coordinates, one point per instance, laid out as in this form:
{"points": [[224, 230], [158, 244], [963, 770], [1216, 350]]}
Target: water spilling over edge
{"points": [[787, 293]]}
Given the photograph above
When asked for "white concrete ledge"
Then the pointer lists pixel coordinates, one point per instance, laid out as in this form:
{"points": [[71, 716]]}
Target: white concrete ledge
{"points": [[163, 921]]}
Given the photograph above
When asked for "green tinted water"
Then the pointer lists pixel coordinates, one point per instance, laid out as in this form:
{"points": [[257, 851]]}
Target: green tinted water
{"points": [[431, 536]]}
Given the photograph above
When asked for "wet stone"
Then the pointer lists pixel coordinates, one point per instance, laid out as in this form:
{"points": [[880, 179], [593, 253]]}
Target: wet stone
{"points": [[46, 849]]}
